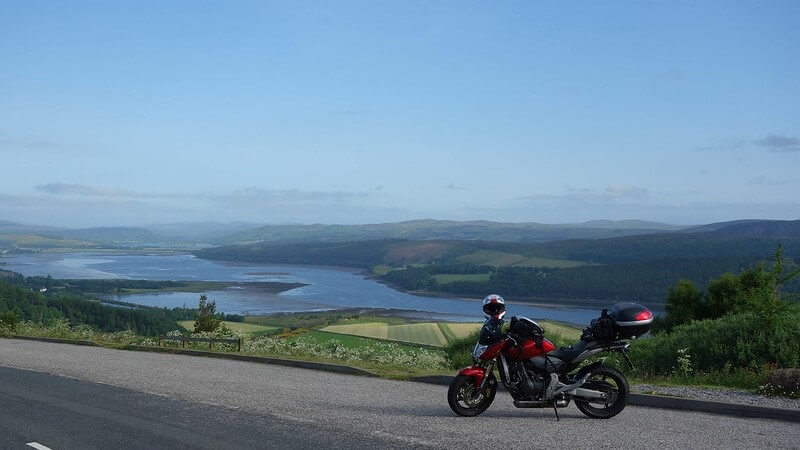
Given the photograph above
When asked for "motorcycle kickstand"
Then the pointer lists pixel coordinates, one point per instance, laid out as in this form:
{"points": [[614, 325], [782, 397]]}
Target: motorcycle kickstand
{"points": [[555, 408]]}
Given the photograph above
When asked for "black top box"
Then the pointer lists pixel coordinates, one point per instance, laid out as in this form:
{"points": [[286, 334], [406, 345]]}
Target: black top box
{"points": [[631, 320]]}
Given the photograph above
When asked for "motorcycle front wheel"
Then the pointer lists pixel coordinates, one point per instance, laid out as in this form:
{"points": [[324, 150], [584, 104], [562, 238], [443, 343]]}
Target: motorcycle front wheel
{"points": [[464, 399], [613, 384]]}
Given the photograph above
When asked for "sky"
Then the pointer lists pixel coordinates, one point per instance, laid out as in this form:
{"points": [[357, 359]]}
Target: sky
{"points": [[135, 113]]}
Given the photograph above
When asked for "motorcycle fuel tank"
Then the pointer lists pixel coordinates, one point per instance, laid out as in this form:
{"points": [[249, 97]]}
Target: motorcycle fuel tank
{"points": [[529, 350]]}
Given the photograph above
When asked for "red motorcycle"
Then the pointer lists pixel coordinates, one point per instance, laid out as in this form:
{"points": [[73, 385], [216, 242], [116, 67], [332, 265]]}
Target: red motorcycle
{"points": [[538, 375]]}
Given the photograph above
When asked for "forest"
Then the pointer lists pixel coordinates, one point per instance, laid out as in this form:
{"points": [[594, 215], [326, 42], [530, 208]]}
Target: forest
{"points": [[20, 303]]}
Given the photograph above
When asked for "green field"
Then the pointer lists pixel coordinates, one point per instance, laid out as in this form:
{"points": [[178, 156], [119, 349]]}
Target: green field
{"points": [[346, 340], [504, 259], [566, 331], [242, 327], [444, 278], [381, 269], [417, 333], [463, 329]]}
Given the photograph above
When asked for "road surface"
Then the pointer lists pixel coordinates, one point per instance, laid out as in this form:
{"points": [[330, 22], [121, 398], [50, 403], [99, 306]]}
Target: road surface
{"points": [[97, 397]]}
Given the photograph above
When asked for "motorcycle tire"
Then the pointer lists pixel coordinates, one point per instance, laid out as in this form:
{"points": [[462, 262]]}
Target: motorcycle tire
{"points": [[613, 383], [462, 399]]}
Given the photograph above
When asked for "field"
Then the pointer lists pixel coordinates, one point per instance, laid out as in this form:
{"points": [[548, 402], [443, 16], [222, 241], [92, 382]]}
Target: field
{"points": [[242, 327], [417, 333], [346, 340], [566, 331], [504, 259], [43, 242], [463, 329], [445, 278], [431, 333]]}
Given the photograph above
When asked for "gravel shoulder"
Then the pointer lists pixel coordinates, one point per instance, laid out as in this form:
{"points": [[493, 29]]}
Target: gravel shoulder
{"points": [[718, 395]]}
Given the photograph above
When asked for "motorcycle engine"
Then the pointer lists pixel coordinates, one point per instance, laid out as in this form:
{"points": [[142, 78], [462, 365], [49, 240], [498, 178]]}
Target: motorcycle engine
{"points": [[529, 381]]}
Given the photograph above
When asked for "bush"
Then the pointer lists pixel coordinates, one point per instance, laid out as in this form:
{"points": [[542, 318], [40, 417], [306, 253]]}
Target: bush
{"points": [[783, 382], [746, 341], [9, 321], [458, 352], [383, 353], [207, 318]]}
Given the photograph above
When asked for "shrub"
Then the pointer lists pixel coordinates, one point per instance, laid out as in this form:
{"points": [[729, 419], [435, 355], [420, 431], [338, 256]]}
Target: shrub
{"points": [[783, 382], [207, 318], [734, 341], [458, 352], [9, 321], [378, 353]]}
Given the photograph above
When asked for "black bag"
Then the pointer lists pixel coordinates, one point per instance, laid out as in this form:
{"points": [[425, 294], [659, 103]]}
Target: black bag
{"points": [[601, 329], [524, 328]]}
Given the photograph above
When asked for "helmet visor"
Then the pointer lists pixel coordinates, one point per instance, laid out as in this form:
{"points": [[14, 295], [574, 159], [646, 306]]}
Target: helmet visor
{"points": [[494, 309]]}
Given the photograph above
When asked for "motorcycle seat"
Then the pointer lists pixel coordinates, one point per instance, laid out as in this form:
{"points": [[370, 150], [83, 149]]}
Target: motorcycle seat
{"points": [[567, 354]]}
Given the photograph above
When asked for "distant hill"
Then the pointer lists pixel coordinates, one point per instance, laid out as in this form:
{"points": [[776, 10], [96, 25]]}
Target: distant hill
{"points": [[115, 236], [7, 227], [752, 228], [205, 232], [428, 229], [639, 267], [627, 225]]}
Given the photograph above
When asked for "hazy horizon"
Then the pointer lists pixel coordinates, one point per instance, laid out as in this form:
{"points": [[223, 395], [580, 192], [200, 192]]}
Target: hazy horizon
{"points": [[246, 224], [358, 112]]}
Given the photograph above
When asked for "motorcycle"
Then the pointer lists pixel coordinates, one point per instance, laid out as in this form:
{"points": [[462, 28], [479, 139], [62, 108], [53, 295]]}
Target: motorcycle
{"points": [[537, 375]]}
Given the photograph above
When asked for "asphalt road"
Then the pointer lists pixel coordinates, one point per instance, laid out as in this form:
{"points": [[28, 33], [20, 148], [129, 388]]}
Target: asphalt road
{"points": [[108, 398]]}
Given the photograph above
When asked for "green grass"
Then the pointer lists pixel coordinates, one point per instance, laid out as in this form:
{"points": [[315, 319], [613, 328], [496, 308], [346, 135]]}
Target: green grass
{"points": [[566, 331], [381, 269], [242, 327], [503, 259], [321, 319], [38, 241], [427, 333], [447, 332], [444, 278], [463, 329], [347, 340], [548, 262], [747, 379]]}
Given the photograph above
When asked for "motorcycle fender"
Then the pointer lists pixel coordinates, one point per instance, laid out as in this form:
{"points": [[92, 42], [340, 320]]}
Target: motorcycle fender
{"points": [[587, 369], [474, 372]]}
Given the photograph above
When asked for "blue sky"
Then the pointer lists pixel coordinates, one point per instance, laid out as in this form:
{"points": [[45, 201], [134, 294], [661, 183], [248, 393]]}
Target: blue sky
{"points": [[116, 113]]}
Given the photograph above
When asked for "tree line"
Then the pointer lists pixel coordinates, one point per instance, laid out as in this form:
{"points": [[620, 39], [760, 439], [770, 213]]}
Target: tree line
{"points": [[643, 281]]}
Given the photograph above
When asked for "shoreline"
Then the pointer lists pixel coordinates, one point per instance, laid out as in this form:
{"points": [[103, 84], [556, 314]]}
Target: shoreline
{"points": [[562, 303]]}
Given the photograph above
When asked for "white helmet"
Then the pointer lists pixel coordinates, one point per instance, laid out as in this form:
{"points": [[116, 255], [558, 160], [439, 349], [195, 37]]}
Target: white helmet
{"points": [[494, 307]]}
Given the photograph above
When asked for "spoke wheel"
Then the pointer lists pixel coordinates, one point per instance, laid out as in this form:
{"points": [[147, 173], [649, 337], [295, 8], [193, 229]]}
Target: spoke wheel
{"points": [[464, 399], [614, 387]]}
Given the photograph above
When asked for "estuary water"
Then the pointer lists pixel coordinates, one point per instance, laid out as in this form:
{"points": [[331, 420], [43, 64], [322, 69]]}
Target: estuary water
{"points": [[327, 288]]}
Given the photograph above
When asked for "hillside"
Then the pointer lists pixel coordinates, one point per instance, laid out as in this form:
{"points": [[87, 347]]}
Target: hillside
{"points": [[445, 230], [753, 228], [632, 267]]}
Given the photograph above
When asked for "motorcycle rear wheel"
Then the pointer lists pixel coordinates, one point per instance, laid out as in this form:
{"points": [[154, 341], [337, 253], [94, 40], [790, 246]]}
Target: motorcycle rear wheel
{"points": [[610, 381], [463, 399]]}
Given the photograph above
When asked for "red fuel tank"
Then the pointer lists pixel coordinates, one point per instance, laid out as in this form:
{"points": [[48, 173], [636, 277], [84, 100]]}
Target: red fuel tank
{"points": [[528, 350]]}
